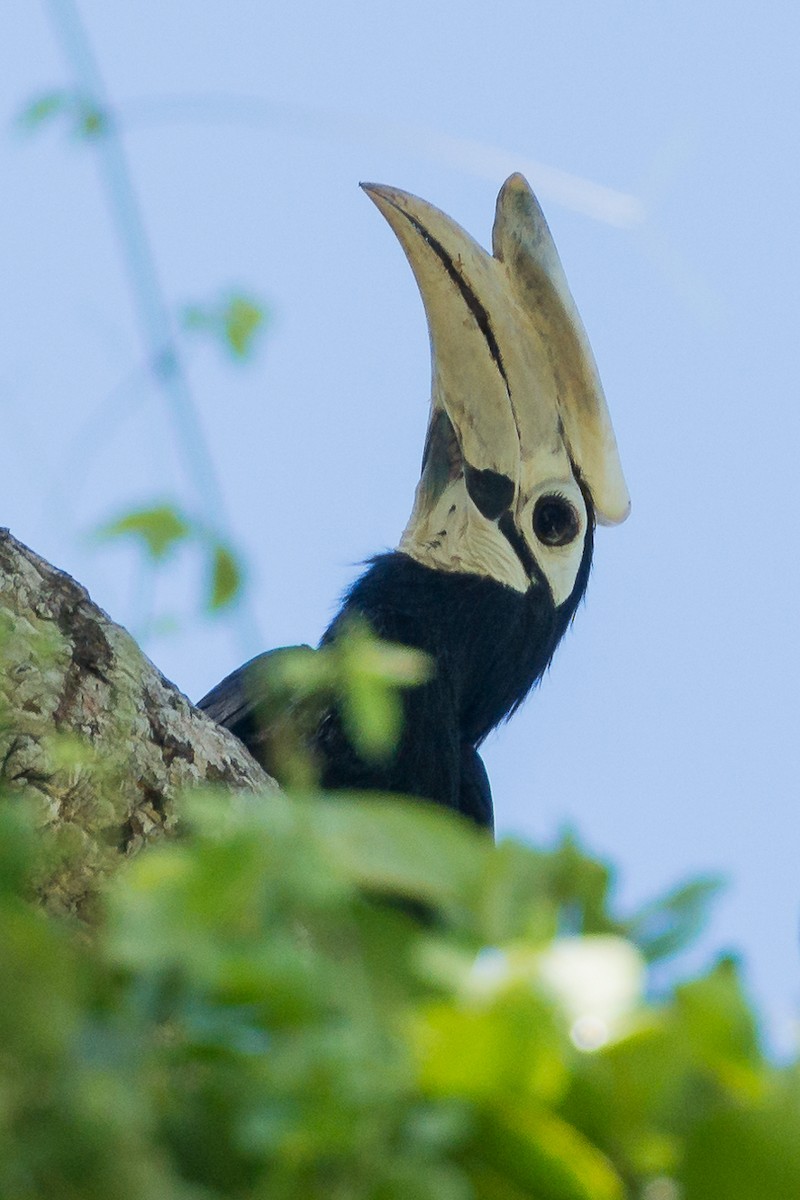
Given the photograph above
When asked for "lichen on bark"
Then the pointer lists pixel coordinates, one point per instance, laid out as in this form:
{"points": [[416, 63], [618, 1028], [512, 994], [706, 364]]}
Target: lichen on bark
{"points": [[92, 736]]}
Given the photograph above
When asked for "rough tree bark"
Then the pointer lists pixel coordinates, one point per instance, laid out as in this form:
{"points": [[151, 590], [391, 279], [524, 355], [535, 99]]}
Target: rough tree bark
{"points": [[92, 733]]}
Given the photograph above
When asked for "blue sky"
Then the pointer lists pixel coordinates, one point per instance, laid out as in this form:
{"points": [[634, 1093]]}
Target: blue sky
{"points": [[661, 139]]}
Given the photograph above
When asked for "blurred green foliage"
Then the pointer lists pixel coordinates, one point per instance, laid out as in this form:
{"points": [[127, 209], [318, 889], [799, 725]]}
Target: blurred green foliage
{"points": [[161, 529], [158, 530], [234, 322], [319, 998], [364, 998], [84, 115], [294, 687], [364, 673]]}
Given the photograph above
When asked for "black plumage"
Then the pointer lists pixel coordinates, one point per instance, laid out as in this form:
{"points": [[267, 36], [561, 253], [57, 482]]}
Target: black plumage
{"points": [[489, 644]]}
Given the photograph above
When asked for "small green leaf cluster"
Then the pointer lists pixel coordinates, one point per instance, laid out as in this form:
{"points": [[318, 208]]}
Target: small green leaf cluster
{"points": [[160, 529], [235, 321], [362, 675], [85, 116], [364, 999]]}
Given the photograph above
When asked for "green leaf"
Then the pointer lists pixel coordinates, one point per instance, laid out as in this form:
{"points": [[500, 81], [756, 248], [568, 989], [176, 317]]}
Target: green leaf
{"points": [[515, 900], [413, 850], [44, 107], [243, 318], [746, 1153], [546, 1156], [667, 925], [506, 1052], [363, 655], [88, 119], [234, 322], [299, 669], [257, 1012], [367, 675], [626, 1093], [373, 717], [159, 530], [92, 121], [720, 1030], [580, 885], [225, 577]]}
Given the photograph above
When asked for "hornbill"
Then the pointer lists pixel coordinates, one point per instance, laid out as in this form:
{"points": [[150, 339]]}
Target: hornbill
{"points": [[519, 463]]}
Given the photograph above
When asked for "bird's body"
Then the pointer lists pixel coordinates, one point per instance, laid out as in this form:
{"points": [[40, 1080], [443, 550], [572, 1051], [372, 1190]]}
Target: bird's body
{"points": [[519, 459]]}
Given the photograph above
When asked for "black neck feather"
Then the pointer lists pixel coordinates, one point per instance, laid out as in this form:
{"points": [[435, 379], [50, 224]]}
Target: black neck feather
{"points": [[490, 642], [490, 645]]}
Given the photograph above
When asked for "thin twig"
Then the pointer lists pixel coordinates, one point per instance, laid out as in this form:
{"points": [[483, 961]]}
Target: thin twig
{"points": [[161, 348]]}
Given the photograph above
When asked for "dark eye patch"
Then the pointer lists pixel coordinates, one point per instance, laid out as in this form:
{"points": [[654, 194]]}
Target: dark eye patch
{"points": [[555, 521]]}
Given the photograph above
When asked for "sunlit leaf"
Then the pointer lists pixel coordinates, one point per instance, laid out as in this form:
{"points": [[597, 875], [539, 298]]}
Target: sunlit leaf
{"points": [[295, 994], [373, 717], [45, 106], [243, 319], [507, 1052], [714, 1017], [363, 654], [540, 1152], [233, 322], [225, 577], [88, 118], [300, 669], [158, 530], [368, 674]]}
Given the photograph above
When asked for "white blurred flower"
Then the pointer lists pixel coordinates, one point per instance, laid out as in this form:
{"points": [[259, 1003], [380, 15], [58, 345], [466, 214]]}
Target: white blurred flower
{"points": [[598, 982]]}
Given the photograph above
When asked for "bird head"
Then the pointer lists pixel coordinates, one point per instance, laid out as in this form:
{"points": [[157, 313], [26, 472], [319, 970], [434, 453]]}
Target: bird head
{"points": [[520, 457]]}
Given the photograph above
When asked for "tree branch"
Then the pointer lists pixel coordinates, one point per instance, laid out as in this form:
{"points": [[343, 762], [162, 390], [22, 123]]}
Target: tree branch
{"points": [[92, 733]]}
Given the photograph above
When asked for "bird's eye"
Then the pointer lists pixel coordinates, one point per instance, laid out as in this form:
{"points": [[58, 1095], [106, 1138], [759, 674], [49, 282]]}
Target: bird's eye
{"points": [[555, 521]]}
